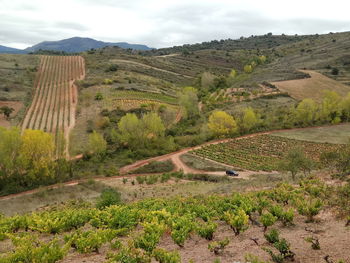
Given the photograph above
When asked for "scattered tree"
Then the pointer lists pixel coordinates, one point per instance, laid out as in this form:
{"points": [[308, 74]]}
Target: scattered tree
{"points": [[222, 124]]}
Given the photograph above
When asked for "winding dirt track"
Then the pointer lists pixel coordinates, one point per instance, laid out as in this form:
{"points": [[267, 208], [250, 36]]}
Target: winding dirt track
{"points": [[174, 157]]}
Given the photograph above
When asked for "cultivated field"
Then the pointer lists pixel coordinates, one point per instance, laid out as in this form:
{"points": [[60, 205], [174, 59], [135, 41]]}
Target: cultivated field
{"points": [[261, 152], [55, 96], [337, 134], [311, 87]]}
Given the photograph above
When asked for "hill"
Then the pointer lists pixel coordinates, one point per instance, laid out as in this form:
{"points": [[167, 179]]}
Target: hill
{"points": [[78, 44], [10, 50]]}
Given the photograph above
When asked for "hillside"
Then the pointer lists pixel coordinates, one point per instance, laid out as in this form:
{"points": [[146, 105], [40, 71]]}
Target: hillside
{"points": [[10, 50]]}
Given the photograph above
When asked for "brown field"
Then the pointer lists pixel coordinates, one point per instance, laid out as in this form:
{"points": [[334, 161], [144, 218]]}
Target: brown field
{"points": [[16, 105], [311, 87], [55, 96]]}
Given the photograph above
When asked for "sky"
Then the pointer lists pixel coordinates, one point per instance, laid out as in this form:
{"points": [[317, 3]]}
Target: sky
{"points": [[164, 23]]}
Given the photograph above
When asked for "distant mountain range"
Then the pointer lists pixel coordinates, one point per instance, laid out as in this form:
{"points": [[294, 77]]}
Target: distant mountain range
{"points": [[72, 45], [10, 50]]}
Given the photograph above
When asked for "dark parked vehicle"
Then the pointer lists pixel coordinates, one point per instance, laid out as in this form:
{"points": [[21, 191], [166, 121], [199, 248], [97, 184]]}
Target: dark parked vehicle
{"points": [[231, 173]]}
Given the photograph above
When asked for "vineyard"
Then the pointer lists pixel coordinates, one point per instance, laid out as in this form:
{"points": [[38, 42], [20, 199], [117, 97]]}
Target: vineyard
{"points": [[55, 97], [172, 230], [161, 98], [262, 152]]}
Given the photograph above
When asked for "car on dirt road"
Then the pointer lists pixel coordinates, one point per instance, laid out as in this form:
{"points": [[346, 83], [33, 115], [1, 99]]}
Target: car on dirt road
{"points": [[231, 173]]}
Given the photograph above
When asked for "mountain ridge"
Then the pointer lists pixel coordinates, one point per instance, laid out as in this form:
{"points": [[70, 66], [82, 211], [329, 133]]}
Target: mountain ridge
{"points": [[72, 45]]}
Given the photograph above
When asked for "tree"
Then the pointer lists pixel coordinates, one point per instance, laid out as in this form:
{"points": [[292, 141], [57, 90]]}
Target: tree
{"points": [[129, 129], [249, 119], [37, 153], [305, 112], [345, 107], [6, 111], [233, 73], [248, 69], [188, 100], [152, 126], [222, 124], [296, 161], [97, 144], [330, 107], [10, 145]]}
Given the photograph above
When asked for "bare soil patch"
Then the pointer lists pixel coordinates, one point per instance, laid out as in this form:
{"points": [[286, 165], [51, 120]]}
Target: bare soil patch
{"points": [[311, 87], [16, 105]]}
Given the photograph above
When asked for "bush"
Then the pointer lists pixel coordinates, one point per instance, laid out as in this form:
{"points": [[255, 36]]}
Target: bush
{"points": [[155, 167], [335, 71], [108, 197], [272, 236], [98, 96], [267, 219], [218, 246]]}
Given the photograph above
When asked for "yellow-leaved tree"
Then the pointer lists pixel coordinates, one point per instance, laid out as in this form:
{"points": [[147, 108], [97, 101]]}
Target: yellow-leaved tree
{"points": [[97, 144], [249, 120], [37, 154], [222, 124]]}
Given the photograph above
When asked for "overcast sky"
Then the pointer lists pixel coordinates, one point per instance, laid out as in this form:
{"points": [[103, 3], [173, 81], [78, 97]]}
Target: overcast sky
{"points": [[163, 23]]}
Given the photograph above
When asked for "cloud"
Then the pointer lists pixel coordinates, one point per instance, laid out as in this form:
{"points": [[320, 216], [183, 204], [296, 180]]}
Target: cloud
{"points": [[165, 23]]}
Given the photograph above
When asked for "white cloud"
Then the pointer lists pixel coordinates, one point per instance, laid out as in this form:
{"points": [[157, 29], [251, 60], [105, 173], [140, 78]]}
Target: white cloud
{"points": [[165, 23]]}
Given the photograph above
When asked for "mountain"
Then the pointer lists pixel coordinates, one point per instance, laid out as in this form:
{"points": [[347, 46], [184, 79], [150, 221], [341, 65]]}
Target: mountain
{"points": [[78, 44], [10, 50]]}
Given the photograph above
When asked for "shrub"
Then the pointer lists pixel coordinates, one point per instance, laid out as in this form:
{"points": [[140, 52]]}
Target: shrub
{"points": [[207, 230], [267, 219], [140, 179], [98, 96], [163, 256], [238, 221], [108, 197], [335, 71], [218, 246], [272, 236], [315, 244], [310, 208]]}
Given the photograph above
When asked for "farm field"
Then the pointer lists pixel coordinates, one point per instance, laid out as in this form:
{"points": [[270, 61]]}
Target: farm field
{"points": [[311, 87], [184, 228], [260, 152], [55, 97], [337, 134]]}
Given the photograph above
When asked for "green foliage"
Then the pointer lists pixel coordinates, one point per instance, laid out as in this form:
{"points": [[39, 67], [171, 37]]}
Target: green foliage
{"points": [[97, 144], [222, 124], [108, 197], [90, 241], [29, 249], [149, 239], [98, 96], [218, 246], [6, 111], [253, 259], [309, 207], [238, 220], [272, 236], [267, 219], [206, 230], [130, 254], [315, 244], [181, 227], [163, 256], [248, 69], [188, 100]]}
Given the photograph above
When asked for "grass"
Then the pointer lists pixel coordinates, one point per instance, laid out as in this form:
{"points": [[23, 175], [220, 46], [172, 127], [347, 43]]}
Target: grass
{"points": [[338, 134], [200, 163], [17, 73], [155, 167], [132, 191]]}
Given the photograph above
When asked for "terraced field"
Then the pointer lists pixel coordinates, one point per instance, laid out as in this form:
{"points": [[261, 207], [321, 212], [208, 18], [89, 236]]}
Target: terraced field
{"points": [[261, 152], [55, 97]]}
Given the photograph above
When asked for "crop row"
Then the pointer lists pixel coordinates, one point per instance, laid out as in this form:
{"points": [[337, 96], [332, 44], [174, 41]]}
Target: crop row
{"points": [[53, 106], [263, 152], [83, 229], [126, 94]]}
